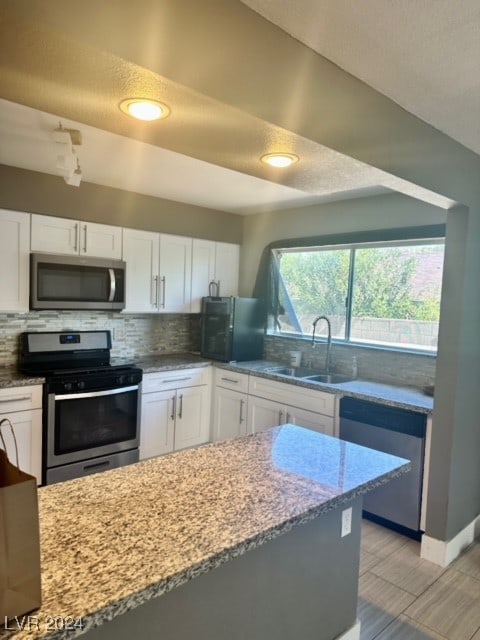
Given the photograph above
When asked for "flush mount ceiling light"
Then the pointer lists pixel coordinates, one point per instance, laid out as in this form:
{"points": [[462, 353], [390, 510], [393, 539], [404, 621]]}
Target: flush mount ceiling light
{"points": [[144, 109], [279, 160]]}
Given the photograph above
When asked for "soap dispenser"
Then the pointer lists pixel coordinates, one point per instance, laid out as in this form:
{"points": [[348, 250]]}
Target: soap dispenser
{"points": [[354, 368]]}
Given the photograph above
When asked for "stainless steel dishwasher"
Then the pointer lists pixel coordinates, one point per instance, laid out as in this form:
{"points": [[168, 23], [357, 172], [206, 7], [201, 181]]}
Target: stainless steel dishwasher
{"points": [[402, 433]]}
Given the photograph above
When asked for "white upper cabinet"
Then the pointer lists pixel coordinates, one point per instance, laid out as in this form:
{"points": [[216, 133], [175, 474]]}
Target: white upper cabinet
{"points": [[215, 267], [158, 272], [141, 253], [175, 274], [227, 257], [14, 256], [71, 237]]}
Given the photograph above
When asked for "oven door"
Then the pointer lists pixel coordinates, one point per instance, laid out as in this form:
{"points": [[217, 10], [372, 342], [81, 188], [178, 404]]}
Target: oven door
{"points": [[81, 426]]}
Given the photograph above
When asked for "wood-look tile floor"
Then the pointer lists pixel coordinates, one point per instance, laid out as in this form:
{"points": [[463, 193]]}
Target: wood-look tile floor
{"points": [[402, 597]]}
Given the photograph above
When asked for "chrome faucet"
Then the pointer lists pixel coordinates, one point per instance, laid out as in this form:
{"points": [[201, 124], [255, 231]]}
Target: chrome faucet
{"points": [[329, 340]]}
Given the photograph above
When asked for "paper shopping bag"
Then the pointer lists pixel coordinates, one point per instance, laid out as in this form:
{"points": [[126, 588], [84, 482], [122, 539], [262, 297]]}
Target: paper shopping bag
{"points": [[20, 588]]}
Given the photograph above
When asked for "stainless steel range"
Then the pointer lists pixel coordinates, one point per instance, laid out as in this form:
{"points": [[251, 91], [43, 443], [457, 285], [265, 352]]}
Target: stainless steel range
{"points": [[91, 406]]}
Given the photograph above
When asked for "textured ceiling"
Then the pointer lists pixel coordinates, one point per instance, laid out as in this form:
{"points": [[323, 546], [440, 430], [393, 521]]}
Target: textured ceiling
{"points": [[423, 55], [75, 61]]}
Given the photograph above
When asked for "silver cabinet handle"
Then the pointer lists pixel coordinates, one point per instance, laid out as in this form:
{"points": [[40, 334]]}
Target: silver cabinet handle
{"points": [[75, 243], [113, 284], [162, 282], [230, 380], [176, 379], [180, 407], [154, 292], [17, 399], [242, 402], [211, 285], [174, 407], [85, 239]]}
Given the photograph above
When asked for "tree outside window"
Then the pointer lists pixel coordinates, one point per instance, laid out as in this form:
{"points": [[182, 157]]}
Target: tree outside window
{"points": [[384, 294]]}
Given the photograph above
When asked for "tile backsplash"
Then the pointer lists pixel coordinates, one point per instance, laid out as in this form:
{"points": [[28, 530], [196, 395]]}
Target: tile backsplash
{"points": [[151, 334], [391, 367], [132, 335]]}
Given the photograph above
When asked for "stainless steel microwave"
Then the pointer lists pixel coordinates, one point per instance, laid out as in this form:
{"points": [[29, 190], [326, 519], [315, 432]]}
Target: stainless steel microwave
{"points": [[76, 282]]}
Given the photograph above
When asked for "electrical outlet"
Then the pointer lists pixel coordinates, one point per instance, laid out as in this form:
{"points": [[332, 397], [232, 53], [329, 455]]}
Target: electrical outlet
{"points": [[346, 522]]}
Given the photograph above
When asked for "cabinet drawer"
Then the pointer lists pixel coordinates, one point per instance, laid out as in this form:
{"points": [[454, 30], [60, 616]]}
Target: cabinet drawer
{"points": [[20, 399], [231, 380], [175, 379], [293, 395]]}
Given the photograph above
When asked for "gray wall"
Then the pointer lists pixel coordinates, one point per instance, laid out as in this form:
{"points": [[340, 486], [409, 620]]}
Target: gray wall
{"points": [[360, 214], [285, 83], [35, 192]]}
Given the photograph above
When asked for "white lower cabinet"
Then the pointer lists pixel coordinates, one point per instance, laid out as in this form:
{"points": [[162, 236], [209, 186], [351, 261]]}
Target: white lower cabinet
{"points": [[23, 407], [158, 424], [175, 411], [277, 403], [230, 414], [230, 417]]}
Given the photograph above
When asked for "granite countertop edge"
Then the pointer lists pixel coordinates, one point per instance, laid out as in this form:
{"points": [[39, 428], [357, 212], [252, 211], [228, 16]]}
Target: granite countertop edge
{"points": [[410, 398], [130, 602]]}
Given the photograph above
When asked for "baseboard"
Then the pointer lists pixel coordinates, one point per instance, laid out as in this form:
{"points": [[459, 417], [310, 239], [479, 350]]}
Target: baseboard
{"points": [[443, 552], [352, 634]]}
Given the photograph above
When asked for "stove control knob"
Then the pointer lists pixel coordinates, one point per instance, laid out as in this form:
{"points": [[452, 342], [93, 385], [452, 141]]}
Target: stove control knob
{"points": [[81, 384], [131, 379], [121, 379], [68, 386]]}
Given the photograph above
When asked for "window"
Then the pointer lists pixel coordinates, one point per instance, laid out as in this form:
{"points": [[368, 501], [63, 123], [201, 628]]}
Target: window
{"points": [[384, 294]]}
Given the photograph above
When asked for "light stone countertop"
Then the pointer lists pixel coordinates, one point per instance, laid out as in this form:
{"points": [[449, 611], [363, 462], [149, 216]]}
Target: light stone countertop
{"points": [[114, 540], [410, 398], [399, 396], [10, 377]]}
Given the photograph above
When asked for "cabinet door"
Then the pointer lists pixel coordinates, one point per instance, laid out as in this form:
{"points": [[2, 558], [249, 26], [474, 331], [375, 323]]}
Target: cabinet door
{"points": [[227, 258], [263, 414], [157, 423], [100, 240], [140, 252], [175, 274], [192, 425], [310, 420], [55, 235], [203, 271], [27, 426], [14, 256], [230, 414]]}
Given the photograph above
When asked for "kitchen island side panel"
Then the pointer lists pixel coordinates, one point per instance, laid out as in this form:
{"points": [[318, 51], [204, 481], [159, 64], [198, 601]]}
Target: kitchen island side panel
{"points": [[301, 585]]}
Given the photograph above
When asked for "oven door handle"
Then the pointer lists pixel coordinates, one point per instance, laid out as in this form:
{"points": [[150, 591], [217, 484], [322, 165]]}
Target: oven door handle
{"points": [[113, 285], [95, 394]]}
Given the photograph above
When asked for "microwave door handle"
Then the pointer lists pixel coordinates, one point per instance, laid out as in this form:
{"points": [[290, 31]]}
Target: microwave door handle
{"points": [[113, 285]]}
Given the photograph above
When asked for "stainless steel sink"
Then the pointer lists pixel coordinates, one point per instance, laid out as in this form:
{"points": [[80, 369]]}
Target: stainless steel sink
{"points": [[312, 375], [328, 378]]}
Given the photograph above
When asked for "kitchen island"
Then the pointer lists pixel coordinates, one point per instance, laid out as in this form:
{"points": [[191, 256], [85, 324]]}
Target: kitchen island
{"points": [[241, 539]]}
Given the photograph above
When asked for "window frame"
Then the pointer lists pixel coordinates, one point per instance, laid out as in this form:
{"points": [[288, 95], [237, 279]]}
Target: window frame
{"points": [[434, 239]]}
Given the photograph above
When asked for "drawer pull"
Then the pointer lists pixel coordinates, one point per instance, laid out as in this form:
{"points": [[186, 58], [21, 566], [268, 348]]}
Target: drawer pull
{"points": [[176, 379], [231, 380], [16, 399]]}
